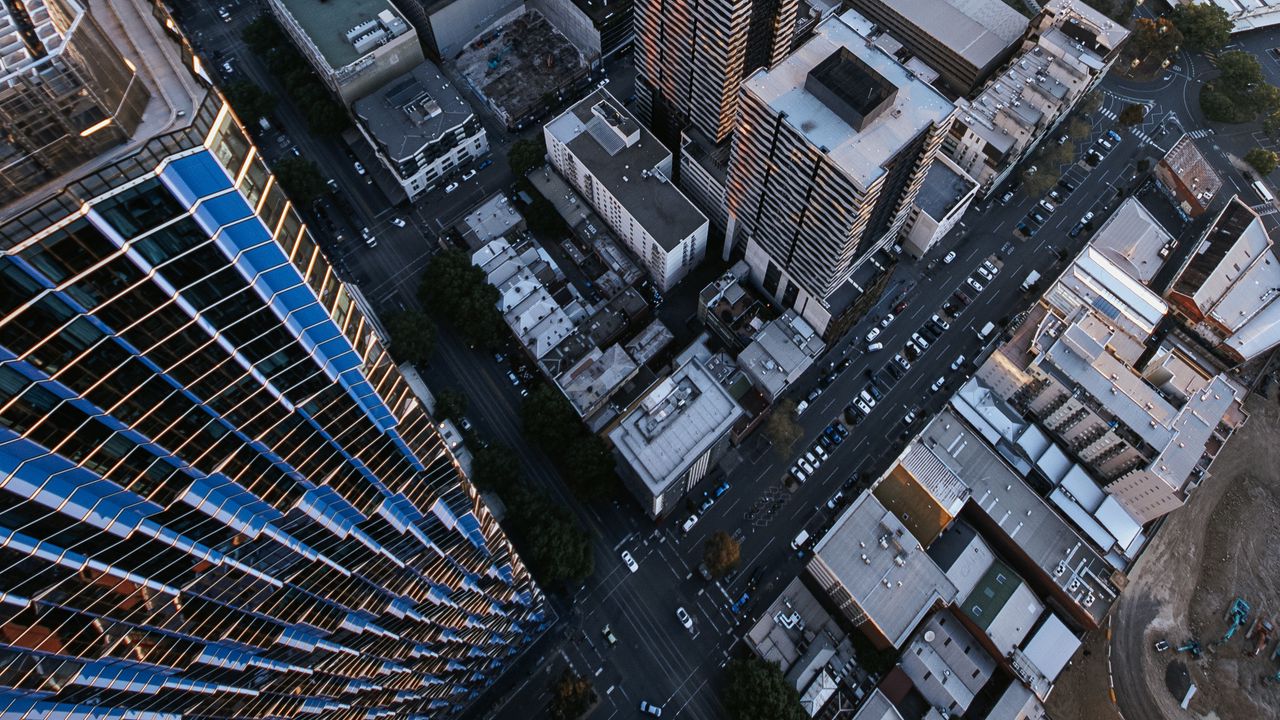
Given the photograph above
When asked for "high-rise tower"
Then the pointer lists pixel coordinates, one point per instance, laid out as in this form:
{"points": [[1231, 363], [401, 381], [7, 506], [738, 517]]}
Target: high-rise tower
{"points": [[831, 147], [691, 56], [218, 495]]}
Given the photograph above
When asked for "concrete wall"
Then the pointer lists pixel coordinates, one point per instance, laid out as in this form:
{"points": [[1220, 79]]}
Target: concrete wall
{"points": [[573, 24], [461, 21]]}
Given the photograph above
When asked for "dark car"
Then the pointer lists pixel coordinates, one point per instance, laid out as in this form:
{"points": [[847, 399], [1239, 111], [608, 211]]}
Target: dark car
{"points": [[1076, 230], [897, 309], [874, 391], [1067, 185]]}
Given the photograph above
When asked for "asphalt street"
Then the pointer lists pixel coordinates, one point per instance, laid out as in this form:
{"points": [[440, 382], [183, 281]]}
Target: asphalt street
{"points": [[655, 658]]}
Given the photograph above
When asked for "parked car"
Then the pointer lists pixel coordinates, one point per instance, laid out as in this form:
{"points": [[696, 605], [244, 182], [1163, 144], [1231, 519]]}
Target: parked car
{"points": [[653, 710], [940, 323], [359, 168], [873, 334], [975, 284], [937, 384], [451, 187], [609, 637], [887, 320], [688, 524], [468, 174], [629, 561], [398, 222], [955, 365], [683, 616], [946, 259], [1005, 198]]}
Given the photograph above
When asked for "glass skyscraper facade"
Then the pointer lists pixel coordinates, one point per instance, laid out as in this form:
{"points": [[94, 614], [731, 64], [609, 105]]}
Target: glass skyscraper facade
{"points": [[219, 497]]}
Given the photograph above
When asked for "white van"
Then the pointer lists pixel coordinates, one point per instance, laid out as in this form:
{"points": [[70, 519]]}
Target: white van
{"points": [[688, 524], [804, 405], [986, 331], [800, 540]]}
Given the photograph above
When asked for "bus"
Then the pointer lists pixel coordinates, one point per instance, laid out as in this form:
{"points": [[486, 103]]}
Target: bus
{"points": [[1263, 192]]}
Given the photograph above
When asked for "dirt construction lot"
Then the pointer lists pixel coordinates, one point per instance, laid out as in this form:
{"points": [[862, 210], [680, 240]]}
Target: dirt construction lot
{"points": [[1224, 544]]}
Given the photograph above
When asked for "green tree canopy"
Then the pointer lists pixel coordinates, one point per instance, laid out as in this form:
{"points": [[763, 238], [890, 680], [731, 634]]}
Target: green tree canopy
{"points": [[1264, 161], [457, 292], [1039, 181], [1079, 129], [554, 544], [1132, 114], [721, 553], [250, 101], [1204, 26], [451, 404], [413, 336], [1154, 39], [526, 155], [757, 690], [589, 467], [781, 428], [571, 695], [495, 468], [1090, 103], [301, 179], [549, 420]]}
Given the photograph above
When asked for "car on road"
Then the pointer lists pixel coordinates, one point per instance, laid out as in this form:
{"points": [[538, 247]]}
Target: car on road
{"points": [[451, 187], [485, 164], [468, 174], [515, 380], [1005, 198], [909, 418], [939, 323], [975, 284], [499, 358], [683, 616], [222, 13], [359, 168], [955, 365], [653, 710], [946, 259], [937, 384], [1087, 217], [1076, 230], [629, 561], [689, 523], [888, 319], [873, 334], [705, 572], [398, 222], [902, 362], [609, 637], [834, 502]]}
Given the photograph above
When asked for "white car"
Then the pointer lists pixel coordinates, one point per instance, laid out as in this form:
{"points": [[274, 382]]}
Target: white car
{"points": [[946, 259], [653, 710], [814, 460], [683, 616], [955, 365], [397, 222], [820, 452], [919, 340], [805, 465], [887, 319], [865, 397], [629, 561], [873, 334], [940, 323], [865, 408], [937, 384], [975, 284], [222, 13], [468, 175], [902, 362], [359, 168], [984, 273], [688, 524], [991, 267], [451, 187], [798, 474]]}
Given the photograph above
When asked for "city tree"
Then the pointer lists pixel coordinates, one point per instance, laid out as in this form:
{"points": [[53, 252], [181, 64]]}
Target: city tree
{"points": [[721, 553], [1079, 129], [571, 696], [756, 689], [781, 428], [1156, 39], [249, 100], [588, 467], [451, 404], [1090, 103], [300, 178], [554, 544], [1264, 161], [495, 468], [413, 336], [549, 420], [459, 294], [1132, 114], [526, 155], [1204, 26]]}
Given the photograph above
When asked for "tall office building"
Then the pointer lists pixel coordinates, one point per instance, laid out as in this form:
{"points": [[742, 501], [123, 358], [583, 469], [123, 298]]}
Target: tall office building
{"points": [[831, 148], [692, 56], [218, 495]]}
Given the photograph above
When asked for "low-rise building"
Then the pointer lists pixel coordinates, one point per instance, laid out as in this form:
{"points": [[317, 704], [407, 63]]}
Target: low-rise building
{"points": [[1068, 50], [624, 173], [669, 440], [421, 129], [492, 219], [964, 40], [446, 26], [1134, 241], [1187, 178], [946, 664], [731, 310], [783, 350], [355, 46], [943, 199], [876, 573], [1228, 291], [594, 378]]}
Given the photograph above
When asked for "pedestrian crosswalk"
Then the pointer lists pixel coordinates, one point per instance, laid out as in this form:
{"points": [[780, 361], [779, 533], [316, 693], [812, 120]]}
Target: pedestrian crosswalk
{"points": [[1106, 113], [1142, 136], [1200, 132]]}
